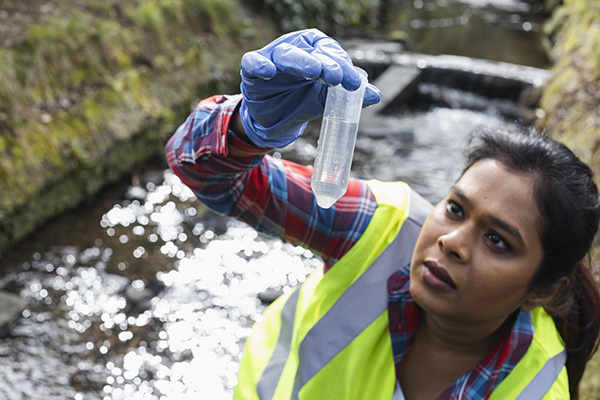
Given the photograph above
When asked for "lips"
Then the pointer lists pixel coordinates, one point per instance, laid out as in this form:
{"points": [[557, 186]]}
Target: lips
{"points": [[437, 276]]}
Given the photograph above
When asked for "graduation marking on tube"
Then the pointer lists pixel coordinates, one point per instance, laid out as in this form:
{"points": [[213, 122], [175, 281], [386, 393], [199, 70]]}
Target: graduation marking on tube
{"points": [[337, 139]]}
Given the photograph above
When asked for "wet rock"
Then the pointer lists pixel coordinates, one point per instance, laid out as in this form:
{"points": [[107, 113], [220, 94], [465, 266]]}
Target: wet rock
{"points": [[11, 307], [209, 221], [154, 177], [87, 380], [115, 282], [135, 193], [216, 223], [491, 79], [140, 293], [270, 295], [398, 83]]}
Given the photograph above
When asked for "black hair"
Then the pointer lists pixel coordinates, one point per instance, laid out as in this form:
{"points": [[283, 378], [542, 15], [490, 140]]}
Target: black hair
{"points": [[568, 202]]}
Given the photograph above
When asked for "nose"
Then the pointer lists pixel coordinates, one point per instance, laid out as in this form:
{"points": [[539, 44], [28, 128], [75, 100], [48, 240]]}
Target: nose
{"points": [[456, 244]]}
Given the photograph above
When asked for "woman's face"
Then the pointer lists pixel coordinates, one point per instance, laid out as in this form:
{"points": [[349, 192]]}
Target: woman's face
{"points": [[479, 248]]}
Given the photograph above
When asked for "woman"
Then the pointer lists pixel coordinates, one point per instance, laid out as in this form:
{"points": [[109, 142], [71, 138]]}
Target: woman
{"points": [[484, 296]]}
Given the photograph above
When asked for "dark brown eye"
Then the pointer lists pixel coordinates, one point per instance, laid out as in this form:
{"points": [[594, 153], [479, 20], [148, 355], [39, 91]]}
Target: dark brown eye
{"points": [[453, 208], [498, 241]]}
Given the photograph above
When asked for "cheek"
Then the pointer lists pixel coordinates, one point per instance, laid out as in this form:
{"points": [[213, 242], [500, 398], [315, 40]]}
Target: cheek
{"points": [[499, 284], [424, 242], [430, 232], [427, 242]]}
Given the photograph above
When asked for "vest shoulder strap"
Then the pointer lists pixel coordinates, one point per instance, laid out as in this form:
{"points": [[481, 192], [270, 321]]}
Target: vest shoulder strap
{"points": [[325, 339], [541, 373]]}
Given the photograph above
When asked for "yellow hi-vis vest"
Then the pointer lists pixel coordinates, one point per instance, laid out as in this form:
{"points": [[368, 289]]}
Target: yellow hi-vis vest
{"points": [[329, 338]]}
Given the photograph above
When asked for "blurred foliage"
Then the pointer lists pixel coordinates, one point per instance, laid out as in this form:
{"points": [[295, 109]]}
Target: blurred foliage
{"points": [[330, 16], [547, 5], [83, 81], [571, 99], [76, 47], [571, 102], [590, 383]]}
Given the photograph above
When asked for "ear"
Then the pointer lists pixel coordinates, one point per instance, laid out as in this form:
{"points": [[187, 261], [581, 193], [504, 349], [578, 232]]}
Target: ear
{"points": [[540, 296]]}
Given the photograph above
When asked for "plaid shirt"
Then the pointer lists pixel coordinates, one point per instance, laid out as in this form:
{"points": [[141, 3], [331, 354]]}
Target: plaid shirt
{"points": [[271, 195], [479, 382], [274, 196]]}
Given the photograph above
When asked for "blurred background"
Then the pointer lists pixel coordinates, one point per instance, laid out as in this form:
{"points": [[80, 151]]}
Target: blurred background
{"points": [[115, 283]]}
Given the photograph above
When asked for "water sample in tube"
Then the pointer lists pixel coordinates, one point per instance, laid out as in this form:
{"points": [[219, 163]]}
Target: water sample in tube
{"points": [[336, 142]]}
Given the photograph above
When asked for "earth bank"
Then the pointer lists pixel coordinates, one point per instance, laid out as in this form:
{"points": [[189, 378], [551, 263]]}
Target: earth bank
{"points": [[89, 91]]}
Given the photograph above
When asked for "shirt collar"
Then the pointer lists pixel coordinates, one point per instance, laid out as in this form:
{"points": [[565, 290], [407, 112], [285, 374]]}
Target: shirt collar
{"points": [[479, 382]]}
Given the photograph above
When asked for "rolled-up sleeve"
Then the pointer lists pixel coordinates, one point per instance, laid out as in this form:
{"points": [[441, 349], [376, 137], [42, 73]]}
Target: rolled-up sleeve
{"points": [[274, 196]]}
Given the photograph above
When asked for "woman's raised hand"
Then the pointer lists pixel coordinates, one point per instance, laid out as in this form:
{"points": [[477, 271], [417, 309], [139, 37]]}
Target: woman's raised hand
{"points": [[284, 85]]}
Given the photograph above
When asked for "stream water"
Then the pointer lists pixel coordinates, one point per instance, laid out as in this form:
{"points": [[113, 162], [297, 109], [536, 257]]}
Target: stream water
{"points": [[500, 30], [144, 294]]}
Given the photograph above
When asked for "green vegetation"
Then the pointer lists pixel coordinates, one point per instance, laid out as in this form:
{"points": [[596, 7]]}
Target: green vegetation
{"points": [[571, 102], [329, 16], [571, 99], [590, 384], [88, 91]]}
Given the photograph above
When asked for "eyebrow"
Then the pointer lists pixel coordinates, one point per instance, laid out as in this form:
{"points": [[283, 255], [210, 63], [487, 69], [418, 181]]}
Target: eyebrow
{"points": [[514, 232], [505, 226]]}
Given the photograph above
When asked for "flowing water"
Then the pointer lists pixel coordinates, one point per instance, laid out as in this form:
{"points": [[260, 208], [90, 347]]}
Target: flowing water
{"points": [[146, 295], [500, 30]]}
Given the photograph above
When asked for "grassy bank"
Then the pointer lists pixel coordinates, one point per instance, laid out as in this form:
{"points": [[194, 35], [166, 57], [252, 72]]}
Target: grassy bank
{"points": [[88, 91], [571, 99], [571, 102]]}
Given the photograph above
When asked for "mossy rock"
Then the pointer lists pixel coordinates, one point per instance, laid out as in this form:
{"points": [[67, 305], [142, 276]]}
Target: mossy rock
{"points": [[88, 92], [571, 101]]}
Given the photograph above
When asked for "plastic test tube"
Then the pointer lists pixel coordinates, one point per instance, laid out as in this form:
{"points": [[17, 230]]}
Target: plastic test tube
{"points": [[336, 142]]}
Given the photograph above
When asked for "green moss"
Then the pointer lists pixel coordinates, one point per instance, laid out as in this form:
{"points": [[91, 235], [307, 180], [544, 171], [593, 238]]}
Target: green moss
{"points": [[590, 383], [216, 16], [12, 97], [150, 17], [60, 46], [4, 162], [97, 87], [571, 101]]}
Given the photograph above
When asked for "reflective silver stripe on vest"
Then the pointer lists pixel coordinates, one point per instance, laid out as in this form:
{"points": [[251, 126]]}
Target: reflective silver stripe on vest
{"points": [[543, 380], [268, 381], [398, 394], [353, 312]]}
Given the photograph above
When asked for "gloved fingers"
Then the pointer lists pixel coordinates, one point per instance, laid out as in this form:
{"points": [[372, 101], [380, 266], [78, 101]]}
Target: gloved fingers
{"points": [[294, 61], [255, 65], [331, 71], [333, 50], [372, 95]]}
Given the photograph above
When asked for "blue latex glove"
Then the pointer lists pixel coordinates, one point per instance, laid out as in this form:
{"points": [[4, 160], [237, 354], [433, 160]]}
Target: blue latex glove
{"points": [[284, 85]]}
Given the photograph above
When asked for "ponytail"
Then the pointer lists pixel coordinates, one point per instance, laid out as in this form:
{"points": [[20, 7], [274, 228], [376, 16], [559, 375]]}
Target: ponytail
{"points": [[578, 321], [568, 202]]}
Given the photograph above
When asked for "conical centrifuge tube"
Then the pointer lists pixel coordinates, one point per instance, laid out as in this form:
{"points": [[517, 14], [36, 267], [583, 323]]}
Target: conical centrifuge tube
{"points": [[336, 142]]}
